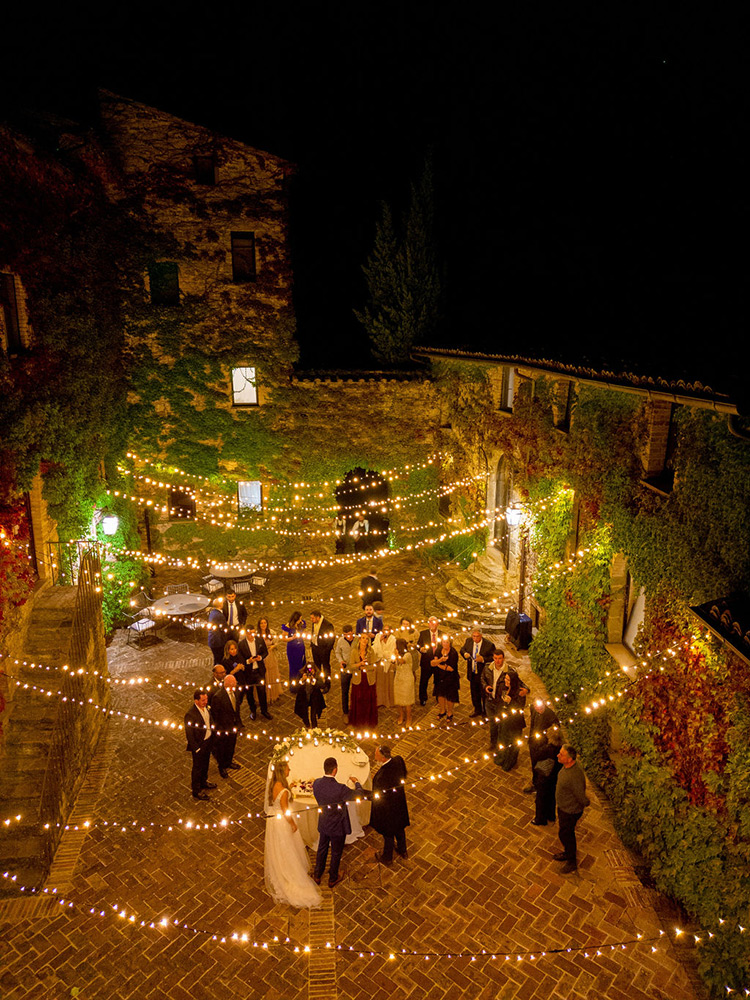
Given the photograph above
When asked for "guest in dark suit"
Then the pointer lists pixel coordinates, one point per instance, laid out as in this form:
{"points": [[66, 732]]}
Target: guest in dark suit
{"points": [[477, 651], [389, 815], [371, 589], [217, 680], [254, 651], [542, 717], [235, 613], [544, 780], [333, 822], [225, 715], [322, 637], [199, 742], [217, 631], [312, 684], [369, 622], [427, 643]]}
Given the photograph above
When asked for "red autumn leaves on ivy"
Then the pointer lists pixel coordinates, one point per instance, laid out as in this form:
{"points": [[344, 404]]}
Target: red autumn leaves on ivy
{"points": [[690, 709]]}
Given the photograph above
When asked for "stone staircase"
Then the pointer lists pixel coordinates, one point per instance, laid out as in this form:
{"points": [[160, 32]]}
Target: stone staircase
{"points": [[28, 733], [464, 597]]}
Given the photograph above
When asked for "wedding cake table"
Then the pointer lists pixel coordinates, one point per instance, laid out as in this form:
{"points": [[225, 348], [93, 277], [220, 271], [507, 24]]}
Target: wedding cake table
{"points": [[305, 752]]}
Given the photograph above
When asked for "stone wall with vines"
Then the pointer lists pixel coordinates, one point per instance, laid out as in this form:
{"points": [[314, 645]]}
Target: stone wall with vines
{"points": [[672, 751]]}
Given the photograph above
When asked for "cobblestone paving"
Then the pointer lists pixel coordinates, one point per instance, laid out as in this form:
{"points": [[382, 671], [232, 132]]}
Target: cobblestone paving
{"points": [[479, 877]]}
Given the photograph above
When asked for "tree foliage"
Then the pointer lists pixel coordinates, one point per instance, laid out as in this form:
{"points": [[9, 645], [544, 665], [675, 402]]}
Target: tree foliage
{"points": [[403, 277]]}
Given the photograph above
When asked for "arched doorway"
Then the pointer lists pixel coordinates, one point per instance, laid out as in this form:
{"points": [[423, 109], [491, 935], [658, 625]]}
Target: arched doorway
{"points": [[503, 489], [363, 505]]}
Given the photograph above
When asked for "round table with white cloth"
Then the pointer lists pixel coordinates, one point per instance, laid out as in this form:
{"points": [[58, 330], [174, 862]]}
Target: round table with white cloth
{"points": [[233, 571], [306, 764], [180, 604]]}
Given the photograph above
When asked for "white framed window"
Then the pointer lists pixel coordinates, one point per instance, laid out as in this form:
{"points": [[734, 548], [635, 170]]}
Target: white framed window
{"points": [[244, 387], [508, 389], [249, 495]]}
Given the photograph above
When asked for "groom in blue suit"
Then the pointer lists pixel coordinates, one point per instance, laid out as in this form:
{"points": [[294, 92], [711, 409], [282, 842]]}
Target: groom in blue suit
{"points": [[333, 822]]}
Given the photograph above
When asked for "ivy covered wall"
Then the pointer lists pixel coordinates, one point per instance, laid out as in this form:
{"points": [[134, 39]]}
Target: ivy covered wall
{"points": [[671, 747]]}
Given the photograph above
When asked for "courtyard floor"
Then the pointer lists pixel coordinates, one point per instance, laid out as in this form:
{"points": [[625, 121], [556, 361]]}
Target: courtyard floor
{"points": [[479, 879]]}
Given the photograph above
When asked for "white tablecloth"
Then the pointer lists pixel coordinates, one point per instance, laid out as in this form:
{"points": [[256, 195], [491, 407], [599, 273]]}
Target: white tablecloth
{"points": [[306, 764], [180, 604]]}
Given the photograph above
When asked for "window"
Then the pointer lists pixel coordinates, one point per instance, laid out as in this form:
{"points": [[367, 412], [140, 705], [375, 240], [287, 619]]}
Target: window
{"points": [[658, 454], [249, 495], [204, 169], [9, 314], [563, 405], [181, 506], [507, 390], [164, 279], [243, 257], [635, 610], [244, 387]]}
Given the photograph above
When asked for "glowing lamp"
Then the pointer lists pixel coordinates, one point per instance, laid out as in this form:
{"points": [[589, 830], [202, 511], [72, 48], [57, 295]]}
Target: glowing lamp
{"points": [[110, 524], [513, 516]]}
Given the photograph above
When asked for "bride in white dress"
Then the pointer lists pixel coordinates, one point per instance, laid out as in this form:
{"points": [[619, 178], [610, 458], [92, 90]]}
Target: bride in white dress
{"points": [[286, 865]]}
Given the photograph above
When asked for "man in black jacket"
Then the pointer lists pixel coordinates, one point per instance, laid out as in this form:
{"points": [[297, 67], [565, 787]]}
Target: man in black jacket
{"points": [[477, 651], [235, 613], [389, 814], [254, 651], [428, 643], [225, 716], [322, 637], [199, 742]]}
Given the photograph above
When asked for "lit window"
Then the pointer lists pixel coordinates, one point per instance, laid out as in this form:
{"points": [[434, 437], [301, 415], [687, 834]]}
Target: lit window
{"points": [[249, 495], [244, 387], [243, 256]]}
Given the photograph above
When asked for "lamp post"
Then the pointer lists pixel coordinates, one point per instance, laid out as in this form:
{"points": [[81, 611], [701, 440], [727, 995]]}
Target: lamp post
{"points": [[514, 518]]}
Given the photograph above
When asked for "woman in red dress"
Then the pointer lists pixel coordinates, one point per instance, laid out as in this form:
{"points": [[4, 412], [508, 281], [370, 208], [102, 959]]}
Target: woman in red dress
{"points": [[363, 700]]}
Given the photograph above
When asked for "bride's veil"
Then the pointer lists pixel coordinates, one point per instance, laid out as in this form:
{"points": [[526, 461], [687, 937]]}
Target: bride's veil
{"points": [[267, 807]]}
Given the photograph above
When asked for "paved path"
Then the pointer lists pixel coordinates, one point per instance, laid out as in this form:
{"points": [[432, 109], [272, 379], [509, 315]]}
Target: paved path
{"points": [[479, 876]]}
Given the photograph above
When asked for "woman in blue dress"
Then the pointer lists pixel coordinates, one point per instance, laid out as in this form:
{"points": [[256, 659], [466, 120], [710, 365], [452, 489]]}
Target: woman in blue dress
{"points": [[295, 646]]}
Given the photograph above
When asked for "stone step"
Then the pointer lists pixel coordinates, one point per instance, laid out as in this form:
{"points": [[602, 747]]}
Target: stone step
{"points": [[31, 874], [20, 845], [470, 592], [33, 710]]}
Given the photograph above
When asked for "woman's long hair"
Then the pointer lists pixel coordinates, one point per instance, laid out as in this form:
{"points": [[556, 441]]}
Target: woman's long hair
{"points": [[296, 615], [277, 775], [227, 644], [267, 631], [515, 683]]}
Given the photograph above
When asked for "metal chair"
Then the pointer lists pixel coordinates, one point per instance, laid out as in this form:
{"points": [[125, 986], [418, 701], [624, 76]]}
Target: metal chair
{"points": [[243, 586], [177, 588], [140, 623], [211, 584]]}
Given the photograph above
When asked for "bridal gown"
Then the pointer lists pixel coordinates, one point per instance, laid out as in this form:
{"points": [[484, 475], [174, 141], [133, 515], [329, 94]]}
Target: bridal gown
{"points": [[286, 865]]}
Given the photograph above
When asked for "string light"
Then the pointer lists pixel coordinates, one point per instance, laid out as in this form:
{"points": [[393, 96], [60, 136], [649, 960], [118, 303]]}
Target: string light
{"points": [[164, 923]]}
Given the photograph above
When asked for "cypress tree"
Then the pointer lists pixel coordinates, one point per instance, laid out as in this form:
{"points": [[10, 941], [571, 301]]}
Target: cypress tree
{"points": [[403, 278]]}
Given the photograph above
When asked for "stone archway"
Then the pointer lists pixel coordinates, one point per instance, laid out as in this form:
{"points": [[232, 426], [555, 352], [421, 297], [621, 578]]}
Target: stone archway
{"points": [[363, 496]]}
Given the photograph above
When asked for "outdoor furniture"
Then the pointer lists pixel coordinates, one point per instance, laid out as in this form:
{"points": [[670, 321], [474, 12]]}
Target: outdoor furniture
{"points": [[243, 587], [234, 574], [177, 588], [140, 624], [211, 584]]}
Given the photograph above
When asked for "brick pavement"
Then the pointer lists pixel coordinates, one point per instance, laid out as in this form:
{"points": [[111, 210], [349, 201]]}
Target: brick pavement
{"points": [[479, 876]]}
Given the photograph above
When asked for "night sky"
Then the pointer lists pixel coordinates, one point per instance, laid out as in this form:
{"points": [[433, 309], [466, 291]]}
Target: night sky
{"points": [[592, 184]]}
